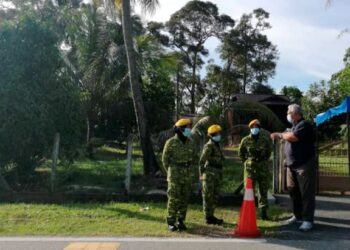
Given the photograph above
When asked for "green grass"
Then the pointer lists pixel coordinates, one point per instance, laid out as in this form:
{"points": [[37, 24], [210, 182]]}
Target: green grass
{"points": [[115, 219], [232, 175], [334, 165], [107, 172]]}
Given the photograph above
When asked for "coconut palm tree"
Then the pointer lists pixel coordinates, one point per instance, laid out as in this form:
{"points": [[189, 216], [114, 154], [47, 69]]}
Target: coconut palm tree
{"points": [[149, 159]]}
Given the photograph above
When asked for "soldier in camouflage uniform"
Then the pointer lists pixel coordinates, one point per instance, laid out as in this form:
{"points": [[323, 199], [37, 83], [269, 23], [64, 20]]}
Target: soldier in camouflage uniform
{"points": [[179, 157], [210, 172], [255, 151]]}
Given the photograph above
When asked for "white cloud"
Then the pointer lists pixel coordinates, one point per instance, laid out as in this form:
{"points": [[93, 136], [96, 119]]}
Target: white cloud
{"points": [[305, 32], [313, 50]]}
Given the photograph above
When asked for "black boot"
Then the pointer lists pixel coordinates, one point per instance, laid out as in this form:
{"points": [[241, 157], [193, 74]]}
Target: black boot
{"points": [[181, 225], [264, 214], [212, 220], [172, 227]]}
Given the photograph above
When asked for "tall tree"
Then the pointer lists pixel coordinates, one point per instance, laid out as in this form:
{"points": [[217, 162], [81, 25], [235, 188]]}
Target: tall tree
{"points": [[293, 93], [221, 83], [38, 98], [189, 28], [262, 89], [149, 159], [247, 50]]}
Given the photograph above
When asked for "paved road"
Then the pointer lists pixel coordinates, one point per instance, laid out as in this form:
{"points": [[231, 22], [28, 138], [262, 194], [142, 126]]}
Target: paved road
{"points": [[332, 220], [45, 243]]}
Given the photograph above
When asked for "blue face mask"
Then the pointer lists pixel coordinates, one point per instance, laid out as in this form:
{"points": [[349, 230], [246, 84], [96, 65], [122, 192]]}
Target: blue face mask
{"points": [[216, 138], [255, 131], [289, 118], [187, 132]]}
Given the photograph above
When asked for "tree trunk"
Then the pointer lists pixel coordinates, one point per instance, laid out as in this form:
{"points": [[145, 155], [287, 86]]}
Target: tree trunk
{"points": [[87, 130], [193, 87], [177, 93], [55, 152], [149, 159]]}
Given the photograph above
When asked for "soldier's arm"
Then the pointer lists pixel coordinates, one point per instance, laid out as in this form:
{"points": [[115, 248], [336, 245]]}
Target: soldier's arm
{"points": [[166, 155], [242, 150], [203, 159]]}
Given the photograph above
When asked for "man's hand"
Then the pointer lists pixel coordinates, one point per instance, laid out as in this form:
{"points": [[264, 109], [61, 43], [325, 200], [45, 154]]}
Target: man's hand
{"points": [[275, 136]]}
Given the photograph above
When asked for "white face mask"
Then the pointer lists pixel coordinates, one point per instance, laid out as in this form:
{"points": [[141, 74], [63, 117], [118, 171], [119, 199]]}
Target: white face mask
{"points": [[187, 132], [289, 118], [216, 138], [255, 131]]}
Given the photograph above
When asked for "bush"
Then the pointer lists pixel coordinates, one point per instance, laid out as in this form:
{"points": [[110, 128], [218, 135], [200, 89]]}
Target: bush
{"points": [[37, 98]]}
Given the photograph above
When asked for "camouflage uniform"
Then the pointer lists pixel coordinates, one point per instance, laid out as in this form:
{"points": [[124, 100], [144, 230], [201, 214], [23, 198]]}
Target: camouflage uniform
{"points": [[178, 160], [210, 167], [255, 154]]}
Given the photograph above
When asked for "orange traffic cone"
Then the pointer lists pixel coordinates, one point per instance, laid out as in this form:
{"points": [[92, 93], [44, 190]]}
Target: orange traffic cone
{"points": [[246, 226]]}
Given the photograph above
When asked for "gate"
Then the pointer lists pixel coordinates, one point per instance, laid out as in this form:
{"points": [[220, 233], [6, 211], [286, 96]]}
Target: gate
{"points": [[333, 158]]}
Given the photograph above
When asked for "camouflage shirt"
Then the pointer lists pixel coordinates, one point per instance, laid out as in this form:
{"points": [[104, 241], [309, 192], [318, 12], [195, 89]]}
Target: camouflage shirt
{"points": [[211, 157], [255, 149], [178, 153]]}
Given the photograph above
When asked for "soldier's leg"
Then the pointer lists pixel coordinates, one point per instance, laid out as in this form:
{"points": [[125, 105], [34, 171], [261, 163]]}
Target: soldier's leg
{"points": [[185, 195], [264, 180], [208, 195], [174, 196]]}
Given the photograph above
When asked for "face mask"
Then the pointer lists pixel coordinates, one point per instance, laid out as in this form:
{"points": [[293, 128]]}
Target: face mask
{"points": [[255, 131], [216, 138], [187, 132], [289, 118]]}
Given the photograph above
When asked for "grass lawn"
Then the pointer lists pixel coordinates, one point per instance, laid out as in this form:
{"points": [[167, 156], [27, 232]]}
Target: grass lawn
{"points": [[334, 165], [116, 219], [107, 172], [119, 219]]}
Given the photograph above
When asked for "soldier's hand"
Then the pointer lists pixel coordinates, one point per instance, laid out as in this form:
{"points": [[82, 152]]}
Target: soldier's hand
{"points": [[201, 177]]}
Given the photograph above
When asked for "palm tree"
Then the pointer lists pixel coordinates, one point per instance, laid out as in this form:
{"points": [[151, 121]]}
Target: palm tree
{"points": [[149, 159]]}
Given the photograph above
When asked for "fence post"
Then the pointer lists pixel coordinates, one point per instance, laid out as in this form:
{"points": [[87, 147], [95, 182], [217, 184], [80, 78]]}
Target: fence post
{"points": [[128, 164], [55, 152]]}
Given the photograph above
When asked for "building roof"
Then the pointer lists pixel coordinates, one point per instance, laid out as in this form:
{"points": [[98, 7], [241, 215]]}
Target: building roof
{"points": [[264, 99]]}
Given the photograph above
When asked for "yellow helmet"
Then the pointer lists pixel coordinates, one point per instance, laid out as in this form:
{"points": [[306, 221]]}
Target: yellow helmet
{"points": [[213, 129], [183, 122], [254, 122]]}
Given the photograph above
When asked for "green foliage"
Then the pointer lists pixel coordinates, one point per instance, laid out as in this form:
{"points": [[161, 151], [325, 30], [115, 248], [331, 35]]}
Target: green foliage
{"points": [[293, 93], [221, 83], [247, 50], [324, 95], [37, 98], [157, 67], [260, 89], [188, 29], [244, 112]]}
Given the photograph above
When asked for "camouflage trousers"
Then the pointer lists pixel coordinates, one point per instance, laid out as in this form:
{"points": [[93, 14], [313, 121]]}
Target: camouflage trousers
{"points": [[212, 179], [260, 174], [179, 193]]}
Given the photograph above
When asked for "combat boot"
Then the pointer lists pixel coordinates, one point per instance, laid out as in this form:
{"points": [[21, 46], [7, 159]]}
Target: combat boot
{"points": [[181, 225], [172, 227], [212, 220]]}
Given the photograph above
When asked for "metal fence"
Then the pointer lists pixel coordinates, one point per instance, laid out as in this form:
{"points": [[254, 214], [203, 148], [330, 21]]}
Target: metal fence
{"points": [[333, 159]]}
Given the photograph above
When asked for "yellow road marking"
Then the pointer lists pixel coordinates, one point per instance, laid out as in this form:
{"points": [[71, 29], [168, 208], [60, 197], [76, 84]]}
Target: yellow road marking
{"points": [[92, 246]]}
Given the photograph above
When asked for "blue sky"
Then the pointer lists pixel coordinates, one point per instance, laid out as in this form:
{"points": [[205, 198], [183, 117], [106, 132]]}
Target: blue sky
{"points": [[305, 32]]}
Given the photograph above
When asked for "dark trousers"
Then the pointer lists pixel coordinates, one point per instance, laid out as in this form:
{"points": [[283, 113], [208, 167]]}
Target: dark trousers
{"points": [[301, 183]]}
